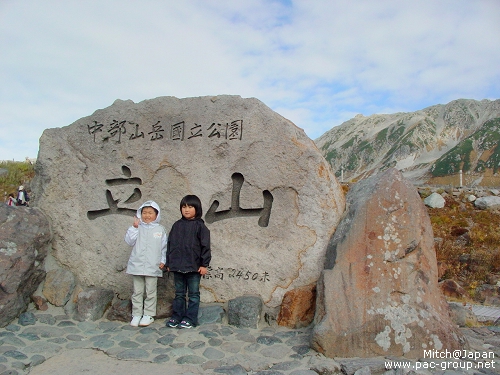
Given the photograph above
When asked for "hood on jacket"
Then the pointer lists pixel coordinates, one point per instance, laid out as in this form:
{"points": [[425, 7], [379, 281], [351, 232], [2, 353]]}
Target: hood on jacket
{"points": [[149, 204]]}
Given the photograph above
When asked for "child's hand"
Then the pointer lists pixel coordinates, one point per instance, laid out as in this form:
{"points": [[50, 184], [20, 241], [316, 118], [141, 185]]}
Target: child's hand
{"points": [[162, 265], [136, 222], [202, 270]]}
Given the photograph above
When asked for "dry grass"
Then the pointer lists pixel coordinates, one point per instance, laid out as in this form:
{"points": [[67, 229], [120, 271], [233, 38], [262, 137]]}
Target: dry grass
{"points": [[468, 242]]}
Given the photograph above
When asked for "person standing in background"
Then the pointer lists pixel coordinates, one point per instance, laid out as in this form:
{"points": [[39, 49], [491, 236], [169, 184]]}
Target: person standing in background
{"points": [[22, 196]]}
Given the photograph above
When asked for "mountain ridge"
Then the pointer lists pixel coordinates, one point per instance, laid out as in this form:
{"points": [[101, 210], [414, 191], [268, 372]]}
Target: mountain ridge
{"points": [[428, 146]]}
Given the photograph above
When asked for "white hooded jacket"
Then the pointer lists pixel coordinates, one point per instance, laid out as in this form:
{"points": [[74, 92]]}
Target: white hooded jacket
{"points": [[149, 243]]}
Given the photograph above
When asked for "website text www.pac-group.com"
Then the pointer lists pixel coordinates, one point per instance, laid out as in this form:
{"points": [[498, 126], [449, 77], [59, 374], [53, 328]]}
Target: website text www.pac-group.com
{"points": [[448, 360]]}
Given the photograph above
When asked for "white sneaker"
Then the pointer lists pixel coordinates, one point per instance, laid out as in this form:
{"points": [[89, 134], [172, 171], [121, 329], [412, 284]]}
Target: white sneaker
{"points": [[146, 320], [135, 321]]}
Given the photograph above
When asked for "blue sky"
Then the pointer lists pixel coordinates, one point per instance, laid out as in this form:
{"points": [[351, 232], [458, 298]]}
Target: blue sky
{"points": [[316, 62]]}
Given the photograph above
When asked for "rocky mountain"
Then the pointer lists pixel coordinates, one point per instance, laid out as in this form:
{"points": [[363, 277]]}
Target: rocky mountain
{"points": [[428, 146]]}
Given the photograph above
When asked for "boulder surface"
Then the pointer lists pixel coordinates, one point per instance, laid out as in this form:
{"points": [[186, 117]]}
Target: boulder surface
{"points": [[298, 307], [486, 203], [379, 294], [435, 200], [24, 242], [58, 286], [270, 199]]}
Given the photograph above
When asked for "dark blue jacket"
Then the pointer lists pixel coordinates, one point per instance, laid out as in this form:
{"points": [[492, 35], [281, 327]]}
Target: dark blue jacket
{"points": [[188, 246]]}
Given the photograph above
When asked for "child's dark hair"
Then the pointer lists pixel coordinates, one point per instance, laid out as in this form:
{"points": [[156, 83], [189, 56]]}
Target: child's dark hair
{"points": [[193, 201]]}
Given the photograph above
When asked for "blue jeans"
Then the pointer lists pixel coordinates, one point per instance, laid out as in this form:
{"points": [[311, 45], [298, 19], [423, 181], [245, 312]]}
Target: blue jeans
{"points": [[190, 283]]}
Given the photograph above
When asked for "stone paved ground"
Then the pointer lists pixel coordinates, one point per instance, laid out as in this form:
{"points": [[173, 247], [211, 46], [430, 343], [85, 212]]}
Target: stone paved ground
{"points": [[55, 342], [57, 345]]}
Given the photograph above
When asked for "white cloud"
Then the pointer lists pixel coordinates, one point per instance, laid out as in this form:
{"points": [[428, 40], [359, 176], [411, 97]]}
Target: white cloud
{"points": [[315, 62]]}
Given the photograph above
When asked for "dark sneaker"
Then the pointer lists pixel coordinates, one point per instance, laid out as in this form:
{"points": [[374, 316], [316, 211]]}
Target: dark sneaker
{"points": [[172, 323], [185, 324]]}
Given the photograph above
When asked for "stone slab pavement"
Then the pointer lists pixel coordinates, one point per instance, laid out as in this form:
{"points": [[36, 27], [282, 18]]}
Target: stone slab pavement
{"points": [[55, 344]]}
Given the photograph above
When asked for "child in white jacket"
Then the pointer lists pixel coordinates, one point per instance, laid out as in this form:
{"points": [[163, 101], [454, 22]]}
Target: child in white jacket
{"points": [[149, 240]]}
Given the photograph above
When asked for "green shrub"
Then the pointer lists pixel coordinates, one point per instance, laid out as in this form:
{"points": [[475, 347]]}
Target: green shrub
{"points": [[18, 173]]}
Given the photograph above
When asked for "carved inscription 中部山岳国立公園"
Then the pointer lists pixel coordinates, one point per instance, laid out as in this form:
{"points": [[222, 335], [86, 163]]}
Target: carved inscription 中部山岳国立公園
{"points": [[235, 210], [212, 214], [112, 203], [238, 274], [128, 130]]}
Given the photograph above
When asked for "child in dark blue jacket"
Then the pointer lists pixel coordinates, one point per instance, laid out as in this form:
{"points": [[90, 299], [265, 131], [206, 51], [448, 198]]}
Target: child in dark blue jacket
{"points": [[188, 257]]}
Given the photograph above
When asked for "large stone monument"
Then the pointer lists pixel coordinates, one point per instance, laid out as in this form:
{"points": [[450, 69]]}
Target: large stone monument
{"points": [[379, 294], [269, 198]]}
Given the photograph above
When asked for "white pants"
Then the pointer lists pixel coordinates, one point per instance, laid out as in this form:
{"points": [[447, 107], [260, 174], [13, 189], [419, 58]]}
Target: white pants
{"points": [[141, 306]]}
